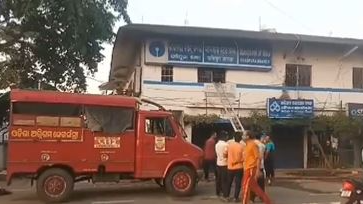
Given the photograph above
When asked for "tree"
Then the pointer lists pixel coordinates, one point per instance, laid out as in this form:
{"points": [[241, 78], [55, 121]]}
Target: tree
{"points": [[56, 42], [349, 128], [257, 122]]}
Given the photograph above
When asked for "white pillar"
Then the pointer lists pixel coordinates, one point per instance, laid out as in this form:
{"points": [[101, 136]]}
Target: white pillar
{"points": [[188, 131]]}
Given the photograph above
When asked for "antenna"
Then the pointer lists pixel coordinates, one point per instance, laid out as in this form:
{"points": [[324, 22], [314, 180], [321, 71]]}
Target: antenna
{"points": [[259, 23], [186, 21]]}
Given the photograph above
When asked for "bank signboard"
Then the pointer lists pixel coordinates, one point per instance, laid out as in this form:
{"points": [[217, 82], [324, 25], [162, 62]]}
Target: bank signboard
{"points": [[251, 55], [290, 108], [355, 110]]}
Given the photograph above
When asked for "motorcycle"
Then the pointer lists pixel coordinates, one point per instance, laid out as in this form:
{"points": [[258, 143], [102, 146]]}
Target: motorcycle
{"points": [[352, 192]]}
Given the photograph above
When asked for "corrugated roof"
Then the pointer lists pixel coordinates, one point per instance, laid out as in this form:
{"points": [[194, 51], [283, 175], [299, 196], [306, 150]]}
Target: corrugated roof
{"points": [[147, 30]]}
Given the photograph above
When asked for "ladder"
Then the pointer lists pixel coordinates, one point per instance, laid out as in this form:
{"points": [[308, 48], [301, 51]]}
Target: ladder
{"points": [[228, 107]]}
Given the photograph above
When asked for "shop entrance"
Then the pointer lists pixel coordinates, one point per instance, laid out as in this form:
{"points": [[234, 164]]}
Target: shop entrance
{"points": [[289, 142]]}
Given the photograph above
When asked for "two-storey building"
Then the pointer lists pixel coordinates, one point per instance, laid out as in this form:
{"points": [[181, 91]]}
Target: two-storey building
{"points": [[172, 64]]}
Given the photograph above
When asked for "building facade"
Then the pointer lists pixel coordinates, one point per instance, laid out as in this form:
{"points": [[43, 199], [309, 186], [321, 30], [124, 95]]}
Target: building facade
{"points": [[171, 65]]}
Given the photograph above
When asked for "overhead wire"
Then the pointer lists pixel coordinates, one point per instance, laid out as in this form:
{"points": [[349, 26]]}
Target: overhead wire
{"points": [[293, 19]]}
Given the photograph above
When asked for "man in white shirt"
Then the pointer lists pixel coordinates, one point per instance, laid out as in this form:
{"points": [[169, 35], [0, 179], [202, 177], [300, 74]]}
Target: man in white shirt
{"points": [[222, 172]]}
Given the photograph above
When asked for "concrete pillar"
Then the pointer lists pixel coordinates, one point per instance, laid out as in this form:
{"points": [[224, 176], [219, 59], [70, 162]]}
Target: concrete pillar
{"points": [[188, 131], [2, 157], [306, 149]]}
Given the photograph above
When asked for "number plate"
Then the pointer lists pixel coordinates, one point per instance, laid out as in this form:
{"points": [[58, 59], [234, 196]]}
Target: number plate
{"points": [[345, 194]]}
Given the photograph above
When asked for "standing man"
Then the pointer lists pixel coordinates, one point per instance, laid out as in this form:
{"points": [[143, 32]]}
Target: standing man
{"points": [[222, 174], [210, 156], [235, 166], [261, 178], [269, 160], [252, 162]]}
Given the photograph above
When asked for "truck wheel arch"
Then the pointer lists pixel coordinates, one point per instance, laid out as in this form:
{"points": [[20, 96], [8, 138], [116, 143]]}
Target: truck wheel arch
{"points": [[59, 166], [173, 164]]}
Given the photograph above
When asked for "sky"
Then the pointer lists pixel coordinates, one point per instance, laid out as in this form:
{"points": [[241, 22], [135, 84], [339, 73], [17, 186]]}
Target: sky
{"points": [[336, 18]]}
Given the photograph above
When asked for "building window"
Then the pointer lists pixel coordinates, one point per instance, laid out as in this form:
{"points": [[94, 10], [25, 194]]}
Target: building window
{"points": [[298, 75], [207, 75], [357, 78], [167, 73]]}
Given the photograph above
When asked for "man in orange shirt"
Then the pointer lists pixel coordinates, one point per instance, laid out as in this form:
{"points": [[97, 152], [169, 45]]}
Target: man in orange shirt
{"points": [[235, 165], [252, 161]]}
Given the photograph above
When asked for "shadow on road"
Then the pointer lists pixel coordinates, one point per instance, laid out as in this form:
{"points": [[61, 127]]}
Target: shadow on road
{"points": [[296, 185], [127, 192]]}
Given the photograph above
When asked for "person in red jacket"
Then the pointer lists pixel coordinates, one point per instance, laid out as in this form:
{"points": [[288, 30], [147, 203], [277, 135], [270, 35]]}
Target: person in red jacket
{"points": [[210, 156]]}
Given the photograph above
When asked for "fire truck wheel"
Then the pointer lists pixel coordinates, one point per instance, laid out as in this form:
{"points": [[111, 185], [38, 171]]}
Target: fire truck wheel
{"points": [[55, 185], [181, 181]]}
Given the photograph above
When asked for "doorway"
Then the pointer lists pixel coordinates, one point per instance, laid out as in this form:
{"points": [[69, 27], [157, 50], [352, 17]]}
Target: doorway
{"points": [[289, 142]]}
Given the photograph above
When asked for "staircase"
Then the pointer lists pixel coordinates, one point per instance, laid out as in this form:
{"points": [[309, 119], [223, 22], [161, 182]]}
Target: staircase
{"points": [[228, 107]]}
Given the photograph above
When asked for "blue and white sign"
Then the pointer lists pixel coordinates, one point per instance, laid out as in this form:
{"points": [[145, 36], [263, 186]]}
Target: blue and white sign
{"points": [[185, 52], [355, 110], [220, 54], [255, 56], [157, 48], [295, 108]]}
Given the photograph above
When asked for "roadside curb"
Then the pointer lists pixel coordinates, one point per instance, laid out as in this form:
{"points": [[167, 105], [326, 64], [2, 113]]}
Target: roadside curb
{"points": [[329, 178], [319, 174]]}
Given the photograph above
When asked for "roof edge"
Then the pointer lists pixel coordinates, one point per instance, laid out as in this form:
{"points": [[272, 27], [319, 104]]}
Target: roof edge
{"points": [[232, 33]]}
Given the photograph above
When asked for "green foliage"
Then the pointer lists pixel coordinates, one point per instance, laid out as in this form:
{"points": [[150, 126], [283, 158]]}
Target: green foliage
{"points": [[347, 127], [201, 119], [57, 42], [338, 124], [323, 124], [258, 122]]}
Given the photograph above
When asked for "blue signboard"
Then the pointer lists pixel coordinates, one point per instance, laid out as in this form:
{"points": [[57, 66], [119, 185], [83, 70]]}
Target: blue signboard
{"points": [[217, 54], [255, 55], [287, 109], [221, 55], [355, 110], [185, 52]]}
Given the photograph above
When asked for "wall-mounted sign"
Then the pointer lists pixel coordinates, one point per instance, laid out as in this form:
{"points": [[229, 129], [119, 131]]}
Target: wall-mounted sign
{"points": [[294, 108], [355, 110], [225, 55]]}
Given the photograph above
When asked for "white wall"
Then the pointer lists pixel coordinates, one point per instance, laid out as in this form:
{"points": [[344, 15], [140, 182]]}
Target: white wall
{"points": [[328, 71]]}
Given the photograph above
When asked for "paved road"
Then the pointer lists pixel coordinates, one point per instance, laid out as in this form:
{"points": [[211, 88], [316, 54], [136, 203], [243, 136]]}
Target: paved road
{"points": [[283, 192]]}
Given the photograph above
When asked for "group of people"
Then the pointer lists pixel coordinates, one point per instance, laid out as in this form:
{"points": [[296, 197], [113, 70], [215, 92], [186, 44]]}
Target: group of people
{"points": [[244, 160]]}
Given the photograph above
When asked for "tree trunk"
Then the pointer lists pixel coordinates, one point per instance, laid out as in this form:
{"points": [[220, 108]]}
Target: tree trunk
{"points": [[357, 147]]}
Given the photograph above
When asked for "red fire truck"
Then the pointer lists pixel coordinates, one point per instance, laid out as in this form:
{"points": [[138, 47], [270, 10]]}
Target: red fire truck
{"points": [[59, 139]]}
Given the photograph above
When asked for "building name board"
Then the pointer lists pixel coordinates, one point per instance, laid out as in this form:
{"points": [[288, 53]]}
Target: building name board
{"points": [[256, 56], [288, 109]]}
